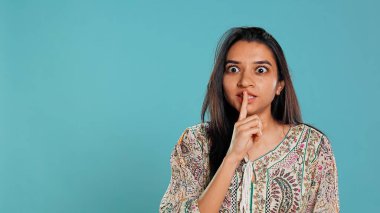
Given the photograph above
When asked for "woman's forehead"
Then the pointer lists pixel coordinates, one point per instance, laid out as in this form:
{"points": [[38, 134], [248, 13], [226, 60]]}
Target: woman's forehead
{"points": [[247, 52]]}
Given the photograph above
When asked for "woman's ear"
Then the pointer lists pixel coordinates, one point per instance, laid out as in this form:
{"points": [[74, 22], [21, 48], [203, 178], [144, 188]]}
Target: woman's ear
{"points": [[280, 87]]}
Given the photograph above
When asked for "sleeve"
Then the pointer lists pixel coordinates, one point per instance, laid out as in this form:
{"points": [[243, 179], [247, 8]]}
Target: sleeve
{"points": [[185, 184], [325, 190]]}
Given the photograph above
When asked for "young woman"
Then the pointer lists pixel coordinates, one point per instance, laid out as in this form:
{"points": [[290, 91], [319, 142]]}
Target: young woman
{"points": [[254, 154]]}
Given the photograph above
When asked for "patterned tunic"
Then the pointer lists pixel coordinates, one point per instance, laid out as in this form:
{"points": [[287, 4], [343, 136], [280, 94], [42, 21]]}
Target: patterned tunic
{"points": [[299, 175]]}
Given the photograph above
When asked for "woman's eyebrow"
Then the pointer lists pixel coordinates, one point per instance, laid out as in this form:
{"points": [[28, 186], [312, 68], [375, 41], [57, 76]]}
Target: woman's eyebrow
{"points": [[255, 62]]}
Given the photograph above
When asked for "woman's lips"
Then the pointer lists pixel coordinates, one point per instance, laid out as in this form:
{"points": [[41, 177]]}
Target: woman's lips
{"points": [[251, 99]]}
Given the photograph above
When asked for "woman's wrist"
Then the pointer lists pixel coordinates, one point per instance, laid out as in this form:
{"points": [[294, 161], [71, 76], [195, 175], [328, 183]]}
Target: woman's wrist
{"points": [[231, 160]]}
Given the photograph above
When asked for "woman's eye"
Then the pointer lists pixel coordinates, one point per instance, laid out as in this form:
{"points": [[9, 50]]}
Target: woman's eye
{"points": [[262, 69], [232, 69]]}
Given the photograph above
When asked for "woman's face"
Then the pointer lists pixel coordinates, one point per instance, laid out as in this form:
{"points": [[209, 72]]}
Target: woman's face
{"points": [[251, 66]]}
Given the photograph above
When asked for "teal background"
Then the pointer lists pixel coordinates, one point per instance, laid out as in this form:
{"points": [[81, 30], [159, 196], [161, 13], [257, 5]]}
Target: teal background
{"points": [[95, 94]]}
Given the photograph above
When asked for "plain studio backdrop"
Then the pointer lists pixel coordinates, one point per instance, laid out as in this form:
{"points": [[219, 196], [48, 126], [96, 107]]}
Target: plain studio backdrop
{"points": [[95, 94]]}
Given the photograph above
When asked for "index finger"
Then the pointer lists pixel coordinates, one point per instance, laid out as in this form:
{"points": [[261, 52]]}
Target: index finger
{"points": [[243, 109]]}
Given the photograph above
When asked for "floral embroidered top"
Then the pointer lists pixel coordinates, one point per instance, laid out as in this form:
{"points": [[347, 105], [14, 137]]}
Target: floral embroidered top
{"points": [[299, 175]]}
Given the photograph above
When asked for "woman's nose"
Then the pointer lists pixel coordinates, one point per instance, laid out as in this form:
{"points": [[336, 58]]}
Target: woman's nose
{"points": [[246, 80]]}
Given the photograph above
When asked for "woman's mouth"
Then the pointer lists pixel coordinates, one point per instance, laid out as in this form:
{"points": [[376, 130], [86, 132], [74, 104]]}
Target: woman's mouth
{"points": [[251, 99]]}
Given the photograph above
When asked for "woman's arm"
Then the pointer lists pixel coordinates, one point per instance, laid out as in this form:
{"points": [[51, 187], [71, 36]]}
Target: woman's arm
{"points": [[188, 179], [188, 176], [213, 196], [326, 196]]}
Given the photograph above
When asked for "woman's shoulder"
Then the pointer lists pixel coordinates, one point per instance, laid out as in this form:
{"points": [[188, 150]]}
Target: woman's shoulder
{"points": [[199, 129], [313, 132], [194, 137], [317, 140]]}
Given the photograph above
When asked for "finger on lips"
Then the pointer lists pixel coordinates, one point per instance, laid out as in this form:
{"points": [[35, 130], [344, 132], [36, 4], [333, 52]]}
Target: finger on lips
{"points": [[243, 109]]}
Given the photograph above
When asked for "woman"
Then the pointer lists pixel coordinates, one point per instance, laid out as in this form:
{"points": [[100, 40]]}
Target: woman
{"points": [[255, 154]]}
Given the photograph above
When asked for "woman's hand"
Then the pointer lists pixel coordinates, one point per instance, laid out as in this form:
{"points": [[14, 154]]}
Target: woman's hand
{"points": [[246, 129]]}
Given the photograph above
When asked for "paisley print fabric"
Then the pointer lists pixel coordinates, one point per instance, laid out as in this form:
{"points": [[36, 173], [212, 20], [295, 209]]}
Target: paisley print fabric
{"points": [[299, 175]]}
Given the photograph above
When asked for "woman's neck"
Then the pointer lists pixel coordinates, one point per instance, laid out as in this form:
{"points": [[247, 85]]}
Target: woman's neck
{"points": [[268, 122]]}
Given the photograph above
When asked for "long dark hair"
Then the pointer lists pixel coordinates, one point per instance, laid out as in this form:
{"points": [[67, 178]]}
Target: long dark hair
{"points": [[284, 108]]}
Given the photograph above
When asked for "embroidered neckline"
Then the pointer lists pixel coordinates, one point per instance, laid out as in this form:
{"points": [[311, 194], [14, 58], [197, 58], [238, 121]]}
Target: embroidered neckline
{"points": [[286, 138]]}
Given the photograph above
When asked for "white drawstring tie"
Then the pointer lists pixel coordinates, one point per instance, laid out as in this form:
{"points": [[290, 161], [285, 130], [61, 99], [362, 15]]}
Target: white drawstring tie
{"points": [[246, 187]]}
